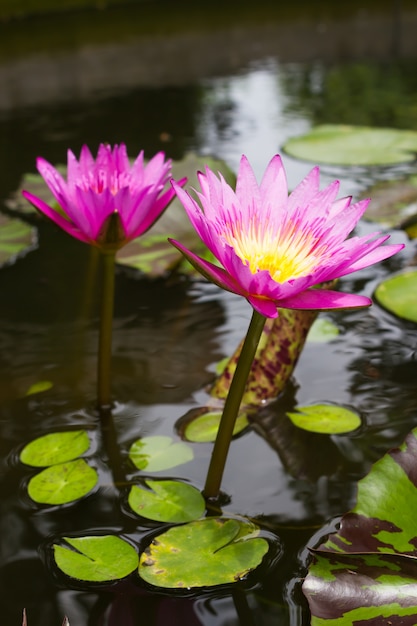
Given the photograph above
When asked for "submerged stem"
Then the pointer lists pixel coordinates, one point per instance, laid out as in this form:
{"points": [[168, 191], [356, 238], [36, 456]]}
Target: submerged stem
{"points": [[232, 405], [105, 337]]}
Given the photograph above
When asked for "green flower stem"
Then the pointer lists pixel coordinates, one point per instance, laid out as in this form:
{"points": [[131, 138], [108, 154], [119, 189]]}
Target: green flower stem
{"points": [[105, 338], [232, 405]]}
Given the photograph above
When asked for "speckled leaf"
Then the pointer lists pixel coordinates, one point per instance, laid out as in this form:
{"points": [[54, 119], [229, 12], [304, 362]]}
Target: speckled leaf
{"points": [[152, 253], [16, 237], [167, 501], [63, 483], [325, 418], [366, 573], [208, 552], [96, 559], [159, 453], [398, 294], [55, 448], [354, 145]]}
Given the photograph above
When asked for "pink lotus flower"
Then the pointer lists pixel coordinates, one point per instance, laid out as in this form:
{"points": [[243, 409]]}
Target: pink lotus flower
{"points": [[106, 202], [274, 248]]}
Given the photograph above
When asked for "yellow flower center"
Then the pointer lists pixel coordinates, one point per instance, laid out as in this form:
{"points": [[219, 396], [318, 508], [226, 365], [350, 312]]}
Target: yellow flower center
{"points": [[287, 254]]}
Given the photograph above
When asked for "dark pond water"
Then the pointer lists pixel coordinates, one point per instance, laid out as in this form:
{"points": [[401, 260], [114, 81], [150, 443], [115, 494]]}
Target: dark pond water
{"points": [[210, 82]]}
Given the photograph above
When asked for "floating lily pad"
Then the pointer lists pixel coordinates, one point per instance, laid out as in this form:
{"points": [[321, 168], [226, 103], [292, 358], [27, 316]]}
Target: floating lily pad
{"points": [[322, 330], [16, 238], [63, 483], [159, 453], [39, 387], [204, 553], [55, 448], [200, 425], [338, 144], [36, 185], [393, 201], [96, 559], [167, 501], [398, 294], [330, 419], [152, 253]]}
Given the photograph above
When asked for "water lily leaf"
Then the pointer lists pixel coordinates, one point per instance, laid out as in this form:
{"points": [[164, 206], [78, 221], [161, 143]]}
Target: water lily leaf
{"points": [[42, 385], [36, 185], [167, 501], [96, 559], [16, 238], [159, 453], [339, 144], [398, 294], [201, 425], [366, 573], [322, 330], [152, 253], [55, 448], [392, 201], [204, 553], [63, 483], [331, 419]]}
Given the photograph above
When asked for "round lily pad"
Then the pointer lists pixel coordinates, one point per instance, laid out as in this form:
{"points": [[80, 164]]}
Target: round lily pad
{"points": [[322, 330], [201, 425], [398, 294], [167, 501], [204, 553], [330, 419], [16, 237], [339, 144], [96, 559], [159, 453], [63, 483], [55, 448]]}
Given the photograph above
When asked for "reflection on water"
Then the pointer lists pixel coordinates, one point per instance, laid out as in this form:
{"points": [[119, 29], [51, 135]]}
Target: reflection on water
{"points": [[217, 87]]}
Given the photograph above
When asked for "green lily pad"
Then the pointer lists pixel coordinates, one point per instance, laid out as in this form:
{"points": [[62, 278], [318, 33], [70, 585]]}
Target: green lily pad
{"points": [[16, 238], [63, 483], [202, 426], [322, 330], [96, 559], [167, 501], [329, 419], [393, 201], [159, 453], [152, 253], [339, 144], [55, 448], [204, 553], [398, 294], [39, 387], [36, 185]]}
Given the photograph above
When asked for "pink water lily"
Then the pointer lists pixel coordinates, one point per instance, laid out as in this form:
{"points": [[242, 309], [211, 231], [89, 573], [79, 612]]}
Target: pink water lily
{"points": [[106, 201], [274, 247]]}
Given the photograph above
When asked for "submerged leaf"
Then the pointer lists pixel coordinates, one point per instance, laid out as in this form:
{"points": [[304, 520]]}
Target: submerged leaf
{"points": [[63, 483], [338, 144], [204, 553], [159, 453], [167, 501], [96, 559], [55, 448]]}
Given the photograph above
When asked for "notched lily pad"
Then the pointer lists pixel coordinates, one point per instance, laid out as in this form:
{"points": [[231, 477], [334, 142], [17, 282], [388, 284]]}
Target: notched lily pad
{"points": [[201, 425], [204, 553], [330, 419], [96, 559], [159, 453], [152, 253], [63, 483], [339, 144], [398, 295], [55, 448], [16, 238], [167, 501]]}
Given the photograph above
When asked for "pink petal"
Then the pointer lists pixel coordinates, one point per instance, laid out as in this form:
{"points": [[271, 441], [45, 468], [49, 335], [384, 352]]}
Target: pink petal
{"points": [[274, 187], [247, 188], [267, 308], [324, 299]]}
